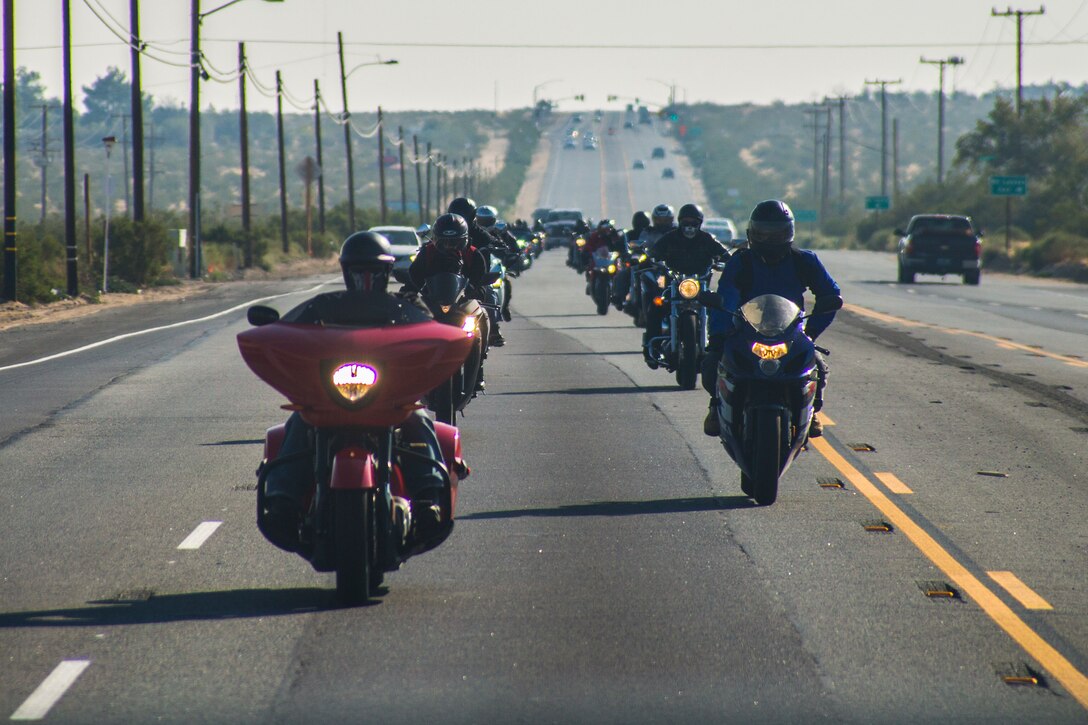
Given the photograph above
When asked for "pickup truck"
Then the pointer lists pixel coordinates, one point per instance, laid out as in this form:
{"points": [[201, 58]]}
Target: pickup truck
{"points": [[559, 227], [940, 244]]}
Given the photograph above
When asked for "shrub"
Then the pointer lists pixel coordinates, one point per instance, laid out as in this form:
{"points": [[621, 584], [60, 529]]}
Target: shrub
{"points": [[1055, 249]]}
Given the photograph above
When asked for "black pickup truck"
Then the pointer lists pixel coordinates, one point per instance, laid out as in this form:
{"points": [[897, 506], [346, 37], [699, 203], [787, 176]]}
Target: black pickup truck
{"points": [[940, 244]]}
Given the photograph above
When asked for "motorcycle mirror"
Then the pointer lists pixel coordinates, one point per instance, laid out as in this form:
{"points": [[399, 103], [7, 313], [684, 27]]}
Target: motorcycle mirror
{"points": [[423, 230], [260, 315], [492, 277]]}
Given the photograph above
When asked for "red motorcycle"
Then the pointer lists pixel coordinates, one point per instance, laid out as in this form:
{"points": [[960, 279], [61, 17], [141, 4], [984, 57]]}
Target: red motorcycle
{"points": [[355, 380]]}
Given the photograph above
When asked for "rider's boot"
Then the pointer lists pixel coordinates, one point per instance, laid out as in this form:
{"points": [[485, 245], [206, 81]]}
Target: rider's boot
{"points": [[426, 510], [816, 428]]}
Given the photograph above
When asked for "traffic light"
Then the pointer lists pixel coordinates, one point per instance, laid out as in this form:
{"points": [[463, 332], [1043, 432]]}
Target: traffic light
{"points": [[613, 98], [580, 97]]}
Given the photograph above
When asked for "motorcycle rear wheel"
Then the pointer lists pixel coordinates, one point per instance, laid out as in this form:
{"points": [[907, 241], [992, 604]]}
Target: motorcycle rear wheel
{"points": [[353, 545], [766, 457], [687, 354]]}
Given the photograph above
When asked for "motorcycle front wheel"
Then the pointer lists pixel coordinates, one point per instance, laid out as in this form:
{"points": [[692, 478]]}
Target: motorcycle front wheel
{"points": [[354, 545], [766, 457], [601, 294], [687, 353]]}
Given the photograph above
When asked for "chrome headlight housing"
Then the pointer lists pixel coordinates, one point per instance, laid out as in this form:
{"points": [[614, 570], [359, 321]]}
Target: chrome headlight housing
{"points": [[689, 288]]}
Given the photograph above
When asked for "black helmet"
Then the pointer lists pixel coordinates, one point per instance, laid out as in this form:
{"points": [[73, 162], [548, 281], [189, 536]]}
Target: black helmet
{"points": [[770, 230], [450, 232], [486, 216], [463, 207], [606, 224], [640, 221], [366, 262], [662, 216]]}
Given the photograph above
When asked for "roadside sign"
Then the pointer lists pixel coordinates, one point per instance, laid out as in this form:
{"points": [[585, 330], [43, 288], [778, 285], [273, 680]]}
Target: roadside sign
{"points": [[1008, 186], [805, 215], [878, 202]]}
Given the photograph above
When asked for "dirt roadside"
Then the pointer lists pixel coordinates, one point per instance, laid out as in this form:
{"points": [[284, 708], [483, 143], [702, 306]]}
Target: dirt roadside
{"points": [[16, 314]]}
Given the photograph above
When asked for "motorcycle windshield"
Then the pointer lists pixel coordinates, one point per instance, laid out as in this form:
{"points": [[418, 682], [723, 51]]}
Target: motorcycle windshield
{"points": [[770, 315], [444, 288]]}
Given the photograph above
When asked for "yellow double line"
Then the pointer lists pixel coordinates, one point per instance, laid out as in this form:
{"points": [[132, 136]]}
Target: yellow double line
{"points": [[1000, 342], [1072, 679]]}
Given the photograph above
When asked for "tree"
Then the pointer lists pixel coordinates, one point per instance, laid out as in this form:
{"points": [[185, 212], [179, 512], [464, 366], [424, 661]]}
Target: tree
{"points": [[110, 96]]}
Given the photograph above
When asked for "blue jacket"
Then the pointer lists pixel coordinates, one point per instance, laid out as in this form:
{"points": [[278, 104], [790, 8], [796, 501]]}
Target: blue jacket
{"points": [[746, 275]]}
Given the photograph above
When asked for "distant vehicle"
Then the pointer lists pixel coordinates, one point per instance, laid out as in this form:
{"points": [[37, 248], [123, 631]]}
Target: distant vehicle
{"points": [[658, 153], [589, 143], [639, 164], [628, 124], [723, 229], [559, 226], [540, 213], [940, 244], [404, 242], [576, 118], [644, 115], [598, 116], [668, 173], [570, 143]]}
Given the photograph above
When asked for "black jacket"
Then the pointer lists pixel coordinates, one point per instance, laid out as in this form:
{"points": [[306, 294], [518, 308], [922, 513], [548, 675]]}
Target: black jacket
{"points": [[687, 256]]}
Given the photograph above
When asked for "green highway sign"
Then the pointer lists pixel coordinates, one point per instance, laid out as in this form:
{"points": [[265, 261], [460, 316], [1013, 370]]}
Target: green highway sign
{"points": [[878, 202], [805, 215], [1008, 186]]}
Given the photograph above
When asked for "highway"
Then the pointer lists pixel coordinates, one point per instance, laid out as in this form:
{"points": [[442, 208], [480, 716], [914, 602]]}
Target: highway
{"points": [[926, 560]]}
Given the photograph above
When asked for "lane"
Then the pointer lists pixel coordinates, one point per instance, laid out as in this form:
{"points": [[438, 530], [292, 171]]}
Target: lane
{"points": [[605, 566]]}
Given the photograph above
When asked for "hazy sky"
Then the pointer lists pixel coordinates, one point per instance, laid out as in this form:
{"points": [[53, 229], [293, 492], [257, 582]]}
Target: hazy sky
{"points": [[483, 53]]}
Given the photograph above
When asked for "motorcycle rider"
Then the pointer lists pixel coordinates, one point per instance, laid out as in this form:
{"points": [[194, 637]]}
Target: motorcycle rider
{"points": [[480, 239], [686, 249], [505, 245], [449, 251], [366, 263], [770, 265], [661, 221], [621, 285], [603, 236]]}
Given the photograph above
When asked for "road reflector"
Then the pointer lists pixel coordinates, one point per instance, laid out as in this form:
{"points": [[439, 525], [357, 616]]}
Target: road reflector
{"points": [[993, 474], [831, 483], [878, 527], [1019, 674], [935, 589], [861, 447]]}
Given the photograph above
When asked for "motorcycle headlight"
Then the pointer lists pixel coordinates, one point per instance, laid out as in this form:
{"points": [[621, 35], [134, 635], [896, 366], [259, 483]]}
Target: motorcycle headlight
{"points": [[354, 380], [770, 352], [689, 289], [580, 242], [497, 284], [611, 269], [662, 282], [642, 257], [445, 308]]}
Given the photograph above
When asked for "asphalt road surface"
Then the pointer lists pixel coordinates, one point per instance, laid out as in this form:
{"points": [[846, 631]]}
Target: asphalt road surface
{"points": [[605, 566]]}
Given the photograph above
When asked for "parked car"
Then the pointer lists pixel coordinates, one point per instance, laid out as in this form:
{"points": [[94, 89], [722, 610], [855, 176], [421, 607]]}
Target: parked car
{"points": [[639, 164], [658, 153], [668, 173], [723, 230], [940, 244]]}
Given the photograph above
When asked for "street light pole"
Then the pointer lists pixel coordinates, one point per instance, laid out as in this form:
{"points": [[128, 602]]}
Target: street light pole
{"points": [[952, 60]]}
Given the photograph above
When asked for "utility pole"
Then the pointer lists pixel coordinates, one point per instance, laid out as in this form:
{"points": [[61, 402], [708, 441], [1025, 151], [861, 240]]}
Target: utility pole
{"points": [[43, 158], [320, 161], [403, 187], [419, 176], [815, 112], [70, 159], [243, 132], [954, 61], [883, 131], [194, 140], [150, 166], [347, 134], [381, 162], [124, 163], [895, 160], [427, 196], [283, 171], [10, 266], [137, 112], [826, 164], [841, 100], [1019, 45]]}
